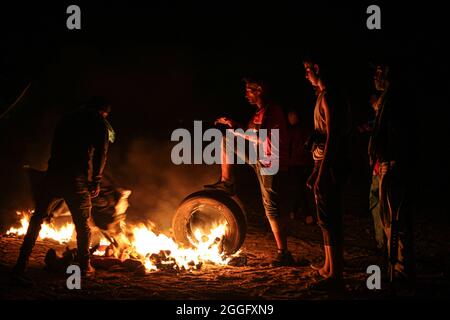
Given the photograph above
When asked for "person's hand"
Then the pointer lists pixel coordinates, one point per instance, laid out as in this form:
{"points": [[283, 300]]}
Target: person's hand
{"points": [[364, 128], [324, 178], [317, 187], [226, 121], [95, 190], [310, 181]]}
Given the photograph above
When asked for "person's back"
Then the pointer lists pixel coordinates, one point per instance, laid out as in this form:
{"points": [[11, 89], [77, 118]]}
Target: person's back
{"points": [[76, 136]]}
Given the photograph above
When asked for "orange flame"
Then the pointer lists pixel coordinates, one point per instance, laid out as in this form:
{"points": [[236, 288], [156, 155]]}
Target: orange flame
{"points": [[207, 249], [48, 231], [145, 244]]}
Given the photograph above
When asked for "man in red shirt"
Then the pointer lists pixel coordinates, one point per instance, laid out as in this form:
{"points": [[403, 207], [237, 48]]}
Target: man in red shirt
{"points": [[270, 170]]}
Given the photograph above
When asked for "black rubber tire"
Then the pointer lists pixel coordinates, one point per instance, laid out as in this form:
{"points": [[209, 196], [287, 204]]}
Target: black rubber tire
{"points": [[228, 206]]}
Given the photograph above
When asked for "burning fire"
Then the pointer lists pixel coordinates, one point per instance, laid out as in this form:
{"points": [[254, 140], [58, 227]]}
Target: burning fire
{"points": [[149, 245], [48, 231], [103, 245], [154, 251]]}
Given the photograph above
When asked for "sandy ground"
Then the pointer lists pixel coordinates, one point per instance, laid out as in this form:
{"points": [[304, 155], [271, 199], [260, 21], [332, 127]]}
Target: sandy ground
{"points": [[256, 280]]}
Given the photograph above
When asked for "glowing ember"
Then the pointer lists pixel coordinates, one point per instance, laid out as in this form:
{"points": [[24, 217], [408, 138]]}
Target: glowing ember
{"points": [[101, 250], [155, 251]]}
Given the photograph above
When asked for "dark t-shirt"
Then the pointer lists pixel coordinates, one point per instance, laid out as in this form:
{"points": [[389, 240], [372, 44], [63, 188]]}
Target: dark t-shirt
{"points": [[390, 140], [80, 145]]}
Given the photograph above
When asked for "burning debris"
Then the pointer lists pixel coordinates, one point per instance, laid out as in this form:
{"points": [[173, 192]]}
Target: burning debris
{"points": [[137, 249], [214, 234]]}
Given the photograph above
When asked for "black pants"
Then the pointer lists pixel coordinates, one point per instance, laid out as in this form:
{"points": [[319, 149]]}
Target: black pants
{"points": [[396, 208], [55, 187]]}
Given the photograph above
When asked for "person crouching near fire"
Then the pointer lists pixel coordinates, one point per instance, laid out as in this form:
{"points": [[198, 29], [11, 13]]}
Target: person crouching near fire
{"points": [[269, 116]]}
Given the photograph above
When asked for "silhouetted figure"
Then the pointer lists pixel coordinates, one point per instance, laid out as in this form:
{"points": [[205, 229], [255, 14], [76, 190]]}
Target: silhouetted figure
{"points": [[328, 177], [75, 169], [390, 152], [374, 193]]}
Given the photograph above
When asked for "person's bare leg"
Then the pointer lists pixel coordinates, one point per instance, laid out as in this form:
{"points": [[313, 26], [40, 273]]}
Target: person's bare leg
{"points": [[336, 266], [226, 168], [325, 269], [279, 233], [333, 280], [28, 243], [226, 182], [283, 257]]}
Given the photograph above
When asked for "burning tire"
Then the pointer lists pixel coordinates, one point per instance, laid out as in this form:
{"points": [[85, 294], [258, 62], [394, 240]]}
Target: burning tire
{"points": [[206, 209]]}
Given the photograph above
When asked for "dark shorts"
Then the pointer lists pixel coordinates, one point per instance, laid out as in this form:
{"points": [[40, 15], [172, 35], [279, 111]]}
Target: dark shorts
{"points": [[329, 206]]}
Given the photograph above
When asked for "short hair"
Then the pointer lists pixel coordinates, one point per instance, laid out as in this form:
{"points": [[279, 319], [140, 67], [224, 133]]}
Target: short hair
{"points": [[330, 69], [255, 80], [315, 57], [324, 65]]}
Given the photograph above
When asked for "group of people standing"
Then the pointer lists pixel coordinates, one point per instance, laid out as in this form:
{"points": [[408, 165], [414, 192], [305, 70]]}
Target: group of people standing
{"points": [[328, 146], [83, 137]]}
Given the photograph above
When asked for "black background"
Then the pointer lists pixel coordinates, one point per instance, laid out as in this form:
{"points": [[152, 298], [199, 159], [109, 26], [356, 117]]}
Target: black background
{"points": [[163, 66]]}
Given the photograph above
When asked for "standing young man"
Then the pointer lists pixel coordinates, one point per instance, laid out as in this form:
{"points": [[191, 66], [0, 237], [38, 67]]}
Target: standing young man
{"points": [[327, 178], [269, 116]]}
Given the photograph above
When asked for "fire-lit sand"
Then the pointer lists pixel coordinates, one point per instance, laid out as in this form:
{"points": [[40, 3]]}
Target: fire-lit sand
{"points": [[205, 273]]}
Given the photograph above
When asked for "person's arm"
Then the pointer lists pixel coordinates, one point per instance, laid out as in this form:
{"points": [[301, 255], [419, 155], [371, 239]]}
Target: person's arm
{"points": [[328, 149], [366, 127], [252, 138], [230, 123], [235, 125], [273, 122]]}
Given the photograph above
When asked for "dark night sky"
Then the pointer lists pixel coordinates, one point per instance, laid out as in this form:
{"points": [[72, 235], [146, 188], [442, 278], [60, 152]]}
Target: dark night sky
{"points": [[164, 66]]}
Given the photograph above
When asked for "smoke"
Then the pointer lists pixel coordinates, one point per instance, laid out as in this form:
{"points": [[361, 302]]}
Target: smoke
{"points": [[158, 186]]}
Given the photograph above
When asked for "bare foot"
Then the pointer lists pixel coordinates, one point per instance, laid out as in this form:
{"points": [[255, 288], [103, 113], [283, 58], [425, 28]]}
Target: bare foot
{"points": [[322, 271]]}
